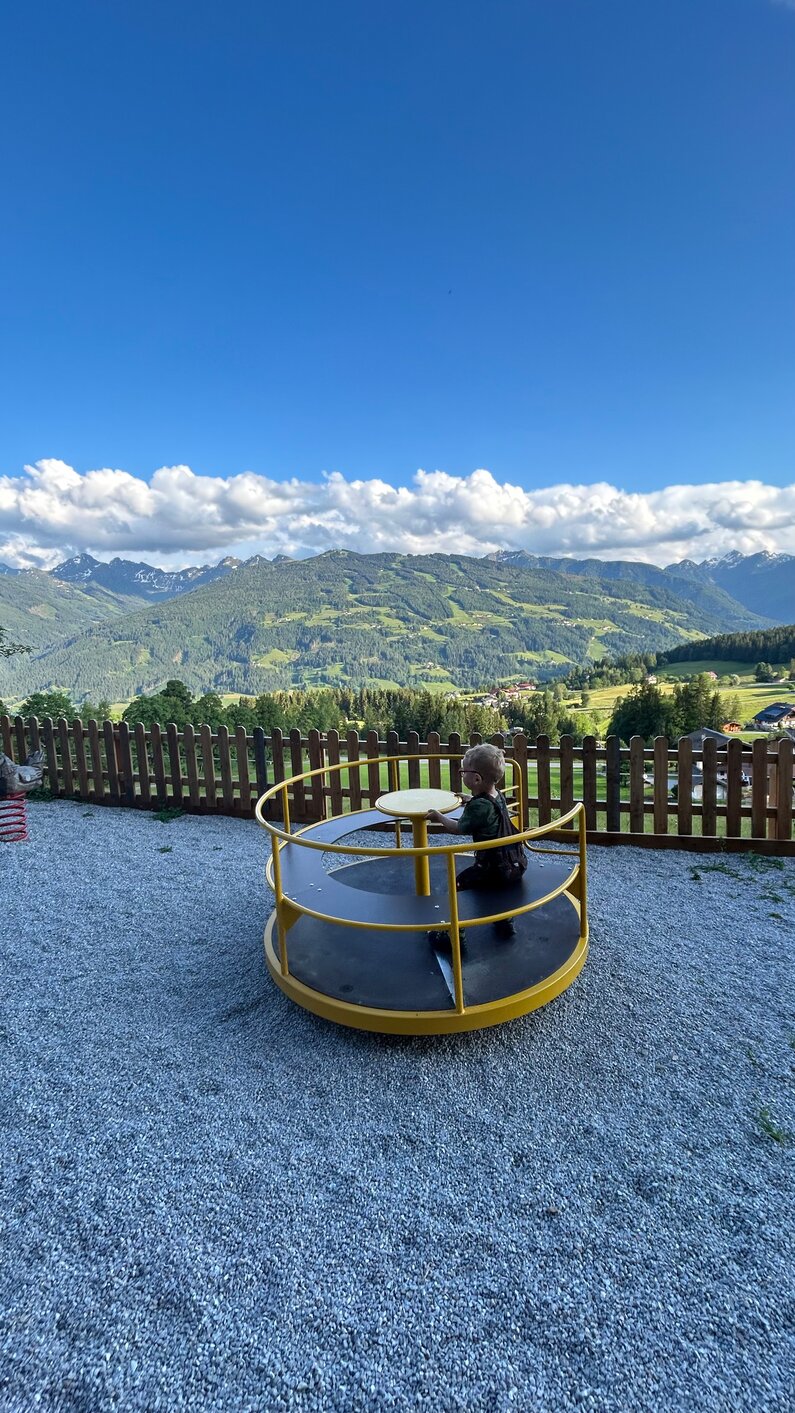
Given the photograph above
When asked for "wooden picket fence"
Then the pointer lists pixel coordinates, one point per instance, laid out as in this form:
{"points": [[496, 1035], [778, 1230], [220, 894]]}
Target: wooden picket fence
{"points": [[743, 797]]}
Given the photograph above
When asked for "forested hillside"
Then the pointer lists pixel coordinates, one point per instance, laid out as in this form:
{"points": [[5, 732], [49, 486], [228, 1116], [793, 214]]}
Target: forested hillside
{"points": [[36, 608], [343, 618], [768, 645]]}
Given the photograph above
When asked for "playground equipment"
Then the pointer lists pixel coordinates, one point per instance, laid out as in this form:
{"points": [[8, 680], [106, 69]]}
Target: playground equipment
{"points": [[352, 944]]}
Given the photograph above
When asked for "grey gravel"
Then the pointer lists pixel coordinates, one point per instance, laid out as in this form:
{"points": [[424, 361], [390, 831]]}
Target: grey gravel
{"points": [[213, 1200]]}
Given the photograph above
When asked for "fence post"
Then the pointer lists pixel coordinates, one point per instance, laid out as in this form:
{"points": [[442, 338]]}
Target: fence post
{"points": [[759, 789], [454, 748], [297, 768], [637, 795], [434, 764], [261, 764], [784, 798], [613, 785], [142, 757], [519, 755], [244, 783], [413, 751], [543, 781], [52, 758], [225, 761], [661, 785], [354, 772], [709, 819], [125, 765], [734, 802], [684, 787], [335, 776], [373, 750], [174, 764], [191, 764], [110, 756]]}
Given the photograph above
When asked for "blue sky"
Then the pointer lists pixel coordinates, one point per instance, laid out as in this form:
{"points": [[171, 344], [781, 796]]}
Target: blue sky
{"points": [[554, 239]]}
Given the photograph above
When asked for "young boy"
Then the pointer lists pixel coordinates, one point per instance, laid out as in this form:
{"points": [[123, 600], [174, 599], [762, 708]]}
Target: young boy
{"points": [[485, 816]]}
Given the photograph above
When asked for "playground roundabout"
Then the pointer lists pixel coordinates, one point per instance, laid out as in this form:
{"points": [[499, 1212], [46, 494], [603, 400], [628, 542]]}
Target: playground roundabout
{"points": [[352, 944]]}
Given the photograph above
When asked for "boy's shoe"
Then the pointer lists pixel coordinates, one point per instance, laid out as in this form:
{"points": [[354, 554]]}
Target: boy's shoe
{"points": [[504, 930], [441, 941]]}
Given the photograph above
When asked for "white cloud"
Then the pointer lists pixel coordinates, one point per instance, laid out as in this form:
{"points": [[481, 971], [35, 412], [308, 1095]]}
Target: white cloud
{"points": [[52, 511]]}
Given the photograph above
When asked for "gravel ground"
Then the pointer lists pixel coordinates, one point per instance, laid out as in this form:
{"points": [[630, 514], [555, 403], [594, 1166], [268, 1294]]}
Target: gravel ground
{"points": [[213, 1200]]}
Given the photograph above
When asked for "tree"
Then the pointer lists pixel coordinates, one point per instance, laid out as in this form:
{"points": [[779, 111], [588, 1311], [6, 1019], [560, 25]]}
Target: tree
{"points": [[52, 704], [645, 712], [763, 672], [9, 649]]}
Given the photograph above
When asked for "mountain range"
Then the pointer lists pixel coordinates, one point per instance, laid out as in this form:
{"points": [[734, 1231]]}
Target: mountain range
{"points": [[117, 629]]}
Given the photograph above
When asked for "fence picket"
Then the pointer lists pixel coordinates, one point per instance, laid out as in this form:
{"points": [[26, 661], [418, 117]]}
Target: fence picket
{"points": [[637, 796], [142, 761], [392, 747], [759, 789], [454, 747], [208, 762], [20, 752], [125, 763], [413, 751], [335, 776], [684, 787], [543, 783], [261, 766], [51, 756], [191, 765], [34, 738], [158, 764], [709, 787], [661, 785], [110, 755], [734, 801], [519, 755], [97, 793], [5, 729], [225, 763], [66, 756], [434, 763], [589, 780], [80, 758], [174, 764], [243, 778], [373, 749], [613, 784], [277, 756], [354, 772], [566, 774], [298, 811], [784, 796]]}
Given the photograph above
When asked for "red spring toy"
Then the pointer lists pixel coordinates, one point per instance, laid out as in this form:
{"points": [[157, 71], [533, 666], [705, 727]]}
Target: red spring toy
{"points": [[13, 819]]}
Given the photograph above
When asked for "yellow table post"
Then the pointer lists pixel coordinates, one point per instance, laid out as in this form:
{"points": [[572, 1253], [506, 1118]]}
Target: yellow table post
{"points": [[422, 869], [414, 805]]}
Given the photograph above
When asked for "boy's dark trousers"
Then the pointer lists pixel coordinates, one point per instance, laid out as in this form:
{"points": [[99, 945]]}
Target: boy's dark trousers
{"points": [[482, 876]]}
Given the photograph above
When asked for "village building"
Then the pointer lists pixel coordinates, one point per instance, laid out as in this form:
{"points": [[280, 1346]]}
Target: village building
{"points": [[778, 717]]}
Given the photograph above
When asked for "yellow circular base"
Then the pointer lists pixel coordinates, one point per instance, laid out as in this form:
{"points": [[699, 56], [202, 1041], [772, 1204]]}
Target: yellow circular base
{"points": [[447, 1022]]}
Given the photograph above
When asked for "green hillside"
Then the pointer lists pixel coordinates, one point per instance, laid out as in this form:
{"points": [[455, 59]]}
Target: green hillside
{"points": [[36, 608], [433, 620]]}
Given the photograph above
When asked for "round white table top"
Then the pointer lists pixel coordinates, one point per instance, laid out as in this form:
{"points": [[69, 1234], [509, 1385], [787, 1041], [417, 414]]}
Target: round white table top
{"points": [[414, 803]]}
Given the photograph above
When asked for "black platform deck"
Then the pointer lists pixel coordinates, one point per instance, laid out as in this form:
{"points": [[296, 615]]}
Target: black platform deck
{"points": [[400, 970], [382, 890]]}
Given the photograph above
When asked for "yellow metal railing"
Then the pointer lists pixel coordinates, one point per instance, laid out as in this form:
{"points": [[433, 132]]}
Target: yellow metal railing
{"points": [[289, 909]]}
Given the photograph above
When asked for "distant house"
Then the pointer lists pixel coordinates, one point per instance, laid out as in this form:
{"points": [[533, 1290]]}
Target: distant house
{"points": [[705, 733], [732, 727], [778, 717], [651, 680], [713, 676]]}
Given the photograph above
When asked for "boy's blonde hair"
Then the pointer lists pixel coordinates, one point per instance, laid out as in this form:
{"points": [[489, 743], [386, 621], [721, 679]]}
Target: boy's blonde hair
{"points": [[488, 761]]}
